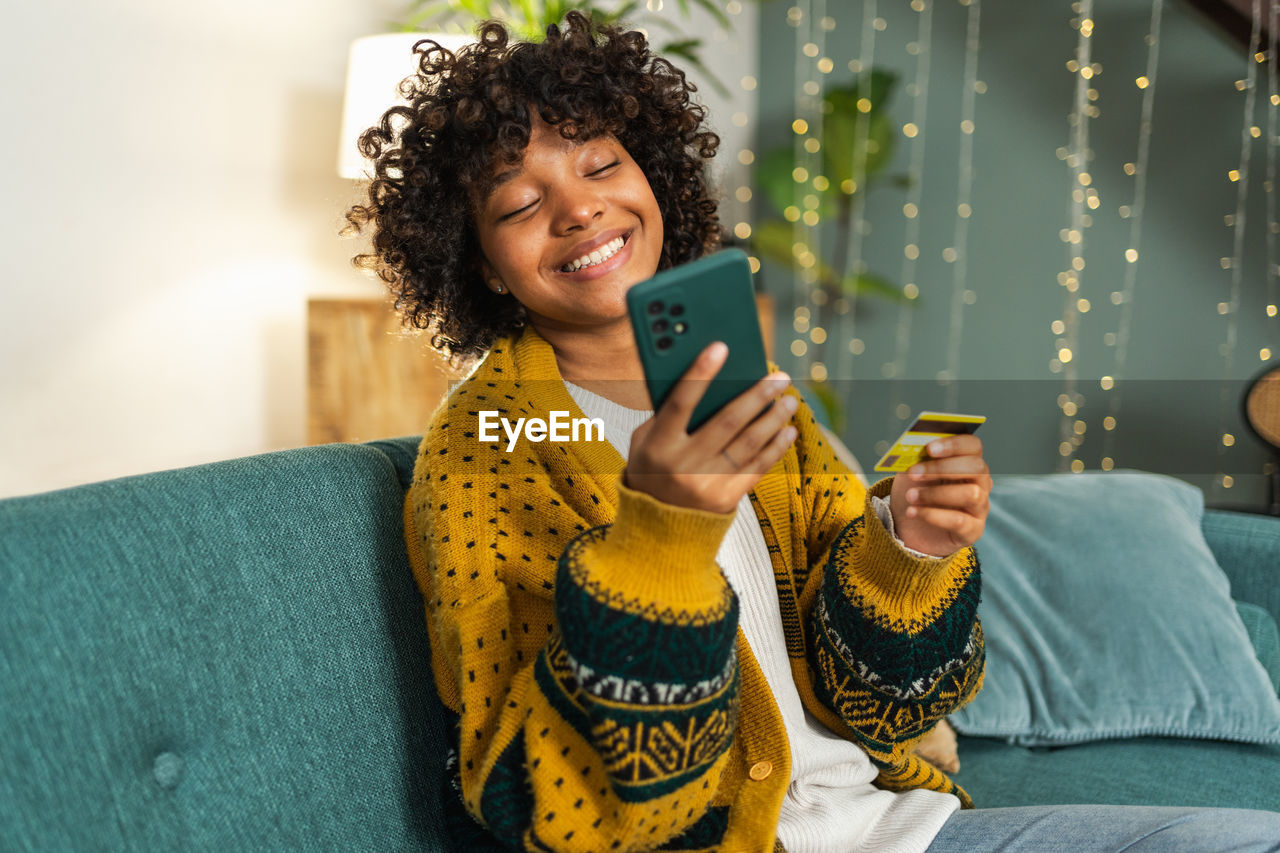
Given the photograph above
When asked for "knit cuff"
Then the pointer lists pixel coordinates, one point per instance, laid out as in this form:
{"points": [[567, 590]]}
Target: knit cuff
{"points": [[663, 553], [903, 583]]}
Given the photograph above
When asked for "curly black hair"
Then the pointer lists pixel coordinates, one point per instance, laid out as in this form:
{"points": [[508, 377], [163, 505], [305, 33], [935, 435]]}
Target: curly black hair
{"points": [[469, 111]]}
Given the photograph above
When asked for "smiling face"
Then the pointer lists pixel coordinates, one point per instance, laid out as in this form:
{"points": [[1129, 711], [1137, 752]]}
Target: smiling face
{"points": [[569, 230]]}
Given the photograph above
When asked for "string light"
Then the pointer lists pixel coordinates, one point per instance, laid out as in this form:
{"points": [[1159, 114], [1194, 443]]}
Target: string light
{"points": [[1076, 157], [846, 308], [807, 128], [1124, 298], [1228, 348], [897, 369], [1273, 87], [957, 253]]}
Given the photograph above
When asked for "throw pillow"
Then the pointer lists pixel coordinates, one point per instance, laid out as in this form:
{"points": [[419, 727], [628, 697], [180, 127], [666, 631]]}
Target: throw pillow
{"points": [[1106, 616]]}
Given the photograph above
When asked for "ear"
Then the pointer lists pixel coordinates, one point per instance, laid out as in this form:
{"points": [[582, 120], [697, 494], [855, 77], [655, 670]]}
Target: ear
{"points": [[491, 279]]}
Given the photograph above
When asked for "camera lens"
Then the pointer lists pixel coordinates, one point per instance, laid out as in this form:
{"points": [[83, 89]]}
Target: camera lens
{"points": [[656, 306], [664, 343], [677, 310], [659, 325]]}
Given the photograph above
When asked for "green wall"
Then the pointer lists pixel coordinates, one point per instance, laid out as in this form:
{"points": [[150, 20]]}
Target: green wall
{"points": [[1172, 406]]}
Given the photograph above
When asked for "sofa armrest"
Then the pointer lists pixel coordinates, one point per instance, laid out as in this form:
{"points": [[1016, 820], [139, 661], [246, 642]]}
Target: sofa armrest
{"points": [[1247, 548]]}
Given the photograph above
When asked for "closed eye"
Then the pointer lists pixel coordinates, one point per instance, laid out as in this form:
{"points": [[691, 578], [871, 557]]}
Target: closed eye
{"points": [[514, 213], [603, 169]]}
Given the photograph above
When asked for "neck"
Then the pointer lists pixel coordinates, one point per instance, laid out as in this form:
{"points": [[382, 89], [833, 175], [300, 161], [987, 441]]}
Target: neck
{"points": [[604, 361]]}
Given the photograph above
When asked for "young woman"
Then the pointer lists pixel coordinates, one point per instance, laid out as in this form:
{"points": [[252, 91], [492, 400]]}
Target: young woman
{"points": [[650, 638]]}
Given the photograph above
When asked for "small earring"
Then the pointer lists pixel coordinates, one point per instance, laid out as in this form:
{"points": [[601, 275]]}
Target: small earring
{"points": [[500, 290]]}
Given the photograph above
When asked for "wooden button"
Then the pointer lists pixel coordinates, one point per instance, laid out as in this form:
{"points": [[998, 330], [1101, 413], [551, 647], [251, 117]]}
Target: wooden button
{"points": [[760, 770]]}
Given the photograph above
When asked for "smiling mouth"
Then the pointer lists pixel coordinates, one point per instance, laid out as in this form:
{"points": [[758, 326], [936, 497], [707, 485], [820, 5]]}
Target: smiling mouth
{"points": [[599, 256]]}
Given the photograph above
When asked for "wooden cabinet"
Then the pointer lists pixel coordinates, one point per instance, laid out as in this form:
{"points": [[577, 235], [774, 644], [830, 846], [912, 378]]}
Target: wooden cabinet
{"points": [[367, 376]]}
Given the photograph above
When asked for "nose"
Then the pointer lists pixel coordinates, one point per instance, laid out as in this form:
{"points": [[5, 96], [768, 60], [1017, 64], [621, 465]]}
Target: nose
{"points": [[577, 207]]}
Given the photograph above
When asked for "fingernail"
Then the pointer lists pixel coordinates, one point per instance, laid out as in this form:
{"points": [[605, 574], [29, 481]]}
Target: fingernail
{"points": [[718, 350], [789, 434], [916, 473], [937, 447], [790, 404], [913, 495], [911, 512]]}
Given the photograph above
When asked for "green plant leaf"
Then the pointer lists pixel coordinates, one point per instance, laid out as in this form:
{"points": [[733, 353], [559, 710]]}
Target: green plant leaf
{"points": [[773, 239], [840, 129], [879, 89], [881, 140], [713, 8], [527, 11], [624, 12], [867, 284], [838, 132], [425, 13]]}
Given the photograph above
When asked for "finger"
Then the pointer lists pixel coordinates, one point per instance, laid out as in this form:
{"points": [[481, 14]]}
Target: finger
{"points": [[768, 455], [962, 528], [762, 430], [723, 427], [966, 497], [688, 390], [951, 467], [956, 445]]}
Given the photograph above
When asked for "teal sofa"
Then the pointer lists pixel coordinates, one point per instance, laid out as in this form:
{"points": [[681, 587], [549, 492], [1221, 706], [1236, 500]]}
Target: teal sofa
{"points": [[233, 656]]}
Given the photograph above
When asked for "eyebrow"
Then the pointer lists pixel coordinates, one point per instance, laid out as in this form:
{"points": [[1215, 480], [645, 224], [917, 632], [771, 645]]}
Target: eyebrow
{"points": [[500, 179], [491, 186]]}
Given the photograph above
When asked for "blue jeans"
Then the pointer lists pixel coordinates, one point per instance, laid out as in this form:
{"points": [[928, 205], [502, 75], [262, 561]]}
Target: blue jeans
{"points": [[1108, 829]]}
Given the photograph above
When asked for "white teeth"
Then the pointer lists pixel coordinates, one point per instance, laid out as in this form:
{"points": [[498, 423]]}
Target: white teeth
{"points": [[604, 253]]}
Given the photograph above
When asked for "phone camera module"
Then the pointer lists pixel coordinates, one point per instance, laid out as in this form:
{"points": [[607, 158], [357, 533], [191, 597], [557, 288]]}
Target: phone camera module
{"points": [[656, 306], [659, 325], [680, 328], [677, 310], [664, 343]]}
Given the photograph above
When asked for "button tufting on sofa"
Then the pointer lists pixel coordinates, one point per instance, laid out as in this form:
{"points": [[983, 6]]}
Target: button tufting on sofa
{"points": [[168, 769]]}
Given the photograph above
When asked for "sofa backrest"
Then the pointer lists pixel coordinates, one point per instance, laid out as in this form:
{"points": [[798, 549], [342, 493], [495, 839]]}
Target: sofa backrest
{"points": [[229, 656], [234, 656]]}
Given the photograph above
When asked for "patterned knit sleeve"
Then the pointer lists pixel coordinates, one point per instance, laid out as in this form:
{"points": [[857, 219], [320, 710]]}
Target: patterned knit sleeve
{"points": [[894, 639], [614, 733]]}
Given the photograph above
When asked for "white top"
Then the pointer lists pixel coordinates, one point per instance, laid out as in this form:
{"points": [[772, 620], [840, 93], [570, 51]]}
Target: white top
{"points": [[831, 805]]}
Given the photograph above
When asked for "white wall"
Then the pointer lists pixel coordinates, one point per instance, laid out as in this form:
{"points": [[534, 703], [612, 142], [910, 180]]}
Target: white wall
{"points": [[170, 204]]}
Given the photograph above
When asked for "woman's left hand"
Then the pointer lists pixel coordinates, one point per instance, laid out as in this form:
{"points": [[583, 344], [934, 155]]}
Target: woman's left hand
{"points": [[940, 505]]}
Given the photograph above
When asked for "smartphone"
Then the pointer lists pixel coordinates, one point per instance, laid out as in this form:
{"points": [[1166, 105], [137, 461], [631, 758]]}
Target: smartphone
{"points": [[681, 311]]}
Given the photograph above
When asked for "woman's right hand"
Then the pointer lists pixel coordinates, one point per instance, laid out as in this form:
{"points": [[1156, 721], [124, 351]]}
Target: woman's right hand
{"points": [[713, 467]]}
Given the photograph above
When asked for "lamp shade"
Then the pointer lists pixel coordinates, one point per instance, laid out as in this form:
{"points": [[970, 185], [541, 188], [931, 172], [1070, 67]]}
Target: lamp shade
{"points": [[375, 67]]}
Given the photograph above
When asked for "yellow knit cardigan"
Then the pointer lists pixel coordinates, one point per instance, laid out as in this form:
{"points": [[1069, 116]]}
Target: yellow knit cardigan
{"points": [[587, 642]]}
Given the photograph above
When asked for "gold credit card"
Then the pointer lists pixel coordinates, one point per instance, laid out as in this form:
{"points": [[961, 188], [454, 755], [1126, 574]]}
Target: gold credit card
{"points": [[910, 447]]}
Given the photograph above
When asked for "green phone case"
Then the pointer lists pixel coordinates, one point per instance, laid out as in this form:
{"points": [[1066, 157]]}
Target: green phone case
{"points": [[679, 312]]}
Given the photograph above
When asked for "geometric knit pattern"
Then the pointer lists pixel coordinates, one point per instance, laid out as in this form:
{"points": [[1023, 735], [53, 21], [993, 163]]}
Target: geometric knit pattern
{"points": [[588, 644], [657, 698]]}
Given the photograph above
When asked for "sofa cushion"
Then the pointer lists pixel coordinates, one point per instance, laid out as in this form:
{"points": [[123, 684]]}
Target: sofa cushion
{"points": [[1245, 546], [231, 656], [1264, 635], [1146, 771], [1106, 616]]}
